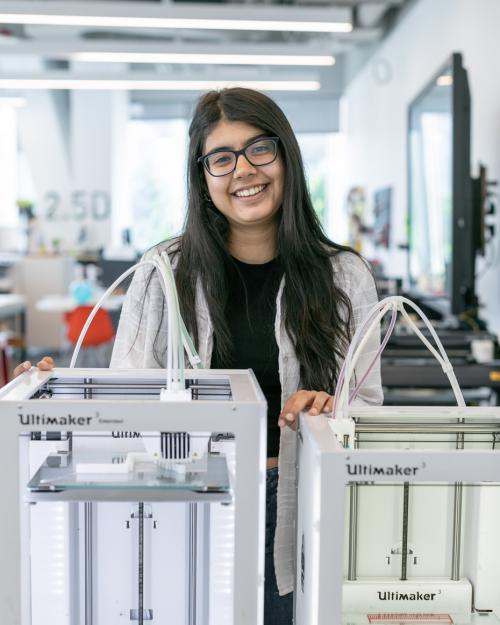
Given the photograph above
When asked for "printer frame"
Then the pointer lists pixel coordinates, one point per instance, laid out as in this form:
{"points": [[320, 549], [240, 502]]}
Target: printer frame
{"points": [[325, 473], [243, 415]]}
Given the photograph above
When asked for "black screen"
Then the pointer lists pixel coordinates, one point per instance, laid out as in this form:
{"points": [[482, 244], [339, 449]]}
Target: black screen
{"points": [[441, 248]]}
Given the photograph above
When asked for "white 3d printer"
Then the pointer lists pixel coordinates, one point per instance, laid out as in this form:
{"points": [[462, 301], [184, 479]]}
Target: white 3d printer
{"points": [[133, 497], [398, 508]]}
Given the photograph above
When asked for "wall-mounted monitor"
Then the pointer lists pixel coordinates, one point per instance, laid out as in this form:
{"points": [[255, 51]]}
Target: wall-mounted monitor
{"points": [[442, 245]]}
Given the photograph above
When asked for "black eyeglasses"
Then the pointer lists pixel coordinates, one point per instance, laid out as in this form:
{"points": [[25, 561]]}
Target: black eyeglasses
{"points": [[223, 162]]}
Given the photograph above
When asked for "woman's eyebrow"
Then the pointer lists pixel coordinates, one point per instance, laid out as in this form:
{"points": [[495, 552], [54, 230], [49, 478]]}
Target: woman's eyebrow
{"points": [[229, 147]]}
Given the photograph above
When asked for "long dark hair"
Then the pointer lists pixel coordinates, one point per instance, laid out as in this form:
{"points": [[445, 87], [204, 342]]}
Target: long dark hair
{"points": [[317, 312]]}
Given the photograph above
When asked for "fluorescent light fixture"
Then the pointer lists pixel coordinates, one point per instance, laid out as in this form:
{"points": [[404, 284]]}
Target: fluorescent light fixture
{"points": [[195, 59], [14, 101], [167, 22], [444, 81], [155, 85]]}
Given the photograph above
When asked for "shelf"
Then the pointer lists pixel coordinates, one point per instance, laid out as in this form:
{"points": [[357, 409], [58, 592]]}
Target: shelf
{"points": [[58, 480]]}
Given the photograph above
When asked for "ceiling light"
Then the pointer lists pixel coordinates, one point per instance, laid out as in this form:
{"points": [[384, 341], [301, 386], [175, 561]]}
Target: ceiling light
{"points": [[214, 59], [96, 21], [155, 85]]}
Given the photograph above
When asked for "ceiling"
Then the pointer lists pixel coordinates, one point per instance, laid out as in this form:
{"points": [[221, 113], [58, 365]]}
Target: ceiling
{"points": [[34, 50]]}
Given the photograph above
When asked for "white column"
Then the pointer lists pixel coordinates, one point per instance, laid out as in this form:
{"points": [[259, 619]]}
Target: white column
{"points": [[42, 131], [98, 128], [8, 169]]}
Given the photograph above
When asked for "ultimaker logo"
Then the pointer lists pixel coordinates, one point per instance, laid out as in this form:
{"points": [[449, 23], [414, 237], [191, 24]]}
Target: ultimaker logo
{"points": [[42, 419], [406, 596], [370, 469]]}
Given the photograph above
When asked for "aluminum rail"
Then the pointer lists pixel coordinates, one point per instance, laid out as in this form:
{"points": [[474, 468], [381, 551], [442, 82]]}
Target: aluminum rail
{"points": [[404, 532], [457, 521], [352, 566], [108, 385], [427, 428], [352, 571]]}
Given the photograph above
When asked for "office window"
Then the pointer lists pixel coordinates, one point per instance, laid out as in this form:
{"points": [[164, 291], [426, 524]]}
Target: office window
{"points": [[318, 155], [157, 179]]}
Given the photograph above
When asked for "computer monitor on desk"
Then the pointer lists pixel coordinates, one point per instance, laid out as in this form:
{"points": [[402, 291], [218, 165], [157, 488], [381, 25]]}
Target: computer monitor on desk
{"points": [[112, 269]]}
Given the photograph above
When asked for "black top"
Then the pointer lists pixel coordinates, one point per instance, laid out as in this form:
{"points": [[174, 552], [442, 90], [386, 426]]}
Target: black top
{"points": [[250, 314]]}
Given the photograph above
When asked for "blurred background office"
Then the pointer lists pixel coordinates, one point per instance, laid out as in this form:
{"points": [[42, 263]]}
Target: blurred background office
{"points": [[394, 103]]}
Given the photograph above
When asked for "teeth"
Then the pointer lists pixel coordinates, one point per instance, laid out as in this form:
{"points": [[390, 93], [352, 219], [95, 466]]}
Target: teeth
{"points": [[249, 192]]}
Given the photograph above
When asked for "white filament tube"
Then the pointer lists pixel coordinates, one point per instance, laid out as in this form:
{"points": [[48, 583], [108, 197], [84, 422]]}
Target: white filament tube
{"points": [[177, 333], [374, 316]]}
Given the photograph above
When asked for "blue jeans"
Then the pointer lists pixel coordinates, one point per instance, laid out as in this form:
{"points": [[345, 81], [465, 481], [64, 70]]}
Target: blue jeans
{"points": [[277, 610]]}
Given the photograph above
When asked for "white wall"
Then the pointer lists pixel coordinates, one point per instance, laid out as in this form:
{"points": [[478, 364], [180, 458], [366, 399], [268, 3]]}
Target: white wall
{"points": [[44, 142], [75, 149], [97, 134], [8, 151], [376, 107]]}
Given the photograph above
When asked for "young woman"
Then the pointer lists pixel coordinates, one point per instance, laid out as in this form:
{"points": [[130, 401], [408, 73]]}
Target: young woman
{"points": [[260, 286]]}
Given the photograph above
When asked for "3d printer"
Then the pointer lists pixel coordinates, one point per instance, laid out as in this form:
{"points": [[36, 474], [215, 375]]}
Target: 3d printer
{"points": [[127, 509], [398, 508]]}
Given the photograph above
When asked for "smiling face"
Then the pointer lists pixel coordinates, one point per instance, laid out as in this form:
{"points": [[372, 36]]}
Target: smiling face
{"points": [[251, 195]]}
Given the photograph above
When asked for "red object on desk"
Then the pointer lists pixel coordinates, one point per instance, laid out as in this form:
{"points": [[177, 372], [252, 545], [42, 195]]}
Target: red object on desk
{"points": [[100, 330]]}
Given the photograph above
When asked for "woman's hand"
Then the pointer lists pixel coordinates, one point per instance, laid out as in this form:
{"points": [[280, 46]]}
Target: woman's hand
{"points": [[46, 364], [316, 401]]}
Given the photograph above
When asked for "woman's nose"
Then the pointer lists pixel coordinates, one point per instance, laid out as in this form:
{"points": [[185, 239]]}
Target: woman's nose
{"points": [[243, 166]]}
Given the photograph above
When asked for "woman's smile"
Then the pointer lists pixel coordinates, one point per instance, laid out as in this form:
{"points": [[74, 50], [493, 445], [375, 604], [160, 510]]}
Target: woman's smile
{"points": [[251, 193]]}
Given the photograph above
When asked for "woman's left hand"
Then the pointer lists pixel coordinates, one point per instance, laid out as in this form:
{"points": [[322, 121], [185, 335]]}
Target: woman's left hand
{"points": [[316, 401]]}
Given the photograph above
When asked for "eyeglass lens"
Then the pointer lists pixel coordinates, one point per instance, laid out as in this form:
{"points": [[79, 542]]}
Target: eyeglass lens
{"points": [[261, 152]]}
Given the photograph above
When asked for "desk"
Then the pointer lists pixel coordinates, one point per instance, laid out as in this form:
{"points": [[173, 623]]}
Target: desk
{"points": [[14, 307], [424, 373], [66, 303], [7, 262]]}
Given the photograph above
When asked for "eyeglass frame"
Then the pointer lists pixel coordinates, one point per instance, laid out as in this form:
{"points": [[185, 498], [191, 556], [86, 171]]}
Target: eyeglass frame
{"points": [[237, 154]]}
